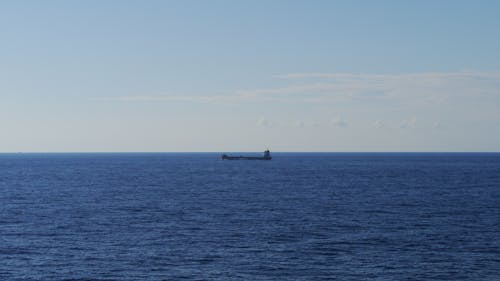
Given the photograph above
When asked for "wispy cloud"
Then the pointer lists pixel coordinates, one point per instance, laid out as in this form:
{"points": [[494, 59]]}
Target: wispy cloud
{"points": [[422, 75], [216, 99], [408, 123], [431, 87], [339, 122], [264, 122], [438, 125], [425, 87], [378, 124], [299, 124]]}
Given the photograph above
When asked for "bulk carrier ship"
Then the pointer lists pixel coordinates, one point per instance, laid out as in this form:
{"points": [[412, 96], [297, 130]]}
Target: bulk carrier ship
{"points": [[267, 156]]}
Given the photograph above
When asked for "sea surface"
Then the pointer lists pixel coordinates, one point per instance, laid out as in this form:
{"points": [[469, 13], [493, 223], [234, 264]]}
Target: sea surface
{"points": [[301, 216]]}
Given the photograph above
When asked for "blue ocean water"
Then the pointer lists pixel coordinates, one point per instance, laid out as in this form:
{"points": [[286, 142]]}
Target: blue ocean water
{"points": [[301, 216]]}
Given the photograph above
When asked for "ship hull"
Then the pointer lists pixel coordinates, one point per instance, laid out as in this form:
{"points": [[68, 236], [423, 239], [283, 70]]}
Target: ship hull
{"points": [[224, 157], [266, 156]]}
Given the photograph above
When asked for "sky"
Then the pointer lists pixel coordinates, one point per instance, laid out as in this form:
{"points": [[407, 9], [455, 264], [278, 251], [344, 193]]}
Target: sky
{"points": [[222, 76]]}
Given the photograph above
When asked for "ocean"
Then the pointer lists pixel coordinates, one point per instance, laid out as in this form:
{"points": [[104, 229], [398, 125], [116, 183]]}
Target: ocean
{"points": [[300, 216]]}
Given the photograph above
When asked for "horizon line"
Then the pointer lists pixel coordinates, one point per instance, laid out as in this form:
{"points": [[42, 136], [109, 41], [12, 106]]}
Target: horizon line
{"points": [[243, 151]]}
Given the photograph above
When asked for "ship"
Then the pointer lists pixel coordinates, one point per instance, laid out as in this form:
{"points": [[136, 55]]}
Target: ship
{"points": [[266, 156]]}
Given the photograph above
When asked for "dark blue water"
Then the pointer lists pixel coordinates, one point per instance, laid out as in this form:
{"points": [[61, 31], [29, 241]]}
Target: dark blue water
{"points": [[297, 217]]}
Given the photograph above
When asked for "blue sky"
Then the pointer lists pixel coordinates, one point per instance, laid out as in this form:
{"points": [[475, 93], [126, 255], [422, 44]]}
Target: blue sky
{"points": [[246, 75]]}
